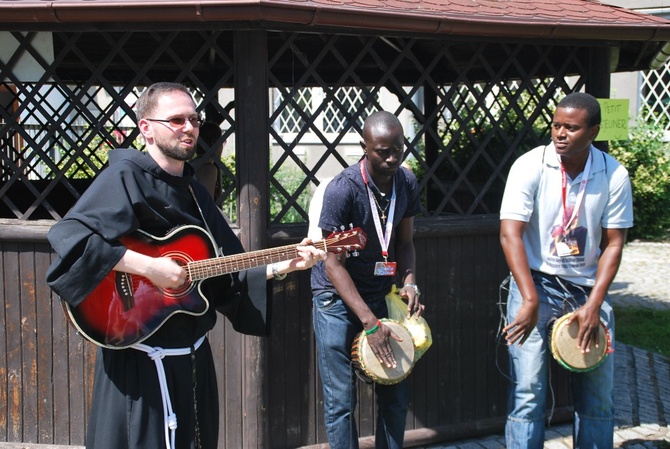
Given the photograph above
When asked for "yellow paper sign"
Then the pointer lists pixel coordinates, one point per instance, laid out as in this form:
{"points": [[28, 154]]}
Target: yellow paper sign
{"points": [[614, 124]]}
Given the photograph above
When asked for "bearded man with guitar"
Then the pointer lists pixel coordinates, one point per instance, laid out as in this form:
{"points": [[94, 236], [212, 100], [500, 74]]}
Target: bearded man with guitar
{"points": [[156, 386]]}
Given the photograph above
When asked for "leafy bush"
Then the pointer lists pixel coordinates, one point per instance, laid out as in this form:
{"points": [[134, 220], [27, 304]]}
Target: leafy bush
{"points": [[646, 156], [88, 163], [290, 178]]}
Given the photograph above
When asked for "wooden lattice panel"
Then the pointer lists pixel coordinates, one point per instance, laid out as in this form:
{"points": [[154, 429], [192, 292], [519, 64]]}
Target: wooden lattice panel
{"points": [[474, 106], [654, 97], [474, 111], [55, 130]]}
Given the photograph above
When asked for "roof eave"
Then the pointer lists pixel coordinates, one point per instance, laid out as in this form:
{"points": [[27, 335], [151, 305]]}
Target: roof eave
{"points": [[243, 10]]}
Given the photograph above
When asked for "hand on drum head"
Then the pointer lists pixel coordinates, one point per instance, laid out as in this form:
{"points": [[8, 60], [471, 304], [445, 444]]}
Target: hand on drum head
{"points": [[588, 318], [381, 347]]}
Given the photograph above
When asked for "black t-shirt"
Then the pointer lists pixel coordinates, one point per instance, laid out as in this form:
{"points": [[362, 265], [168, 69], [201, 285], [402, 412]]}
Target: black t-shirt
{"points": [[346, 202]]}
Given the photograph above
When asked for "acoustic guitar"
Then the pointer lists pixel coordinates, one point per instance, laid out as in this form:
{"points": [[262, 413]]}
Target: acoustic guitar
{"points": [[125, 309]]}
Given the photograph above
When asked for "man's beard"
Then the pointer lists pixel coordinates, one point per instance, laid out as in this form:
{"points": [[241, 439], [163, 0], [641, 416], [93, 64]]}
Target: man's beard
{"points": [[176, 150]]}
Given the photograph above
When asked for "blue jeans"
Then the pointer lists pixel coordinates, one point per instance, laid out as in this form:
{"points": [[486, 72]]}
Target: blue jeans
{"points": [[335, 328], [592, 391]]}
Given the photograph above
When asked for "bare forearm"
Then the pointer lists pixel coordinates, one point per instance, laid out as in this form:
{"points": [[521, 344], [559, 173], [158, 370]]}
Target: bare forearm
{"points": [[347, 290], [407, 263], [161, 271], [517, 261]]}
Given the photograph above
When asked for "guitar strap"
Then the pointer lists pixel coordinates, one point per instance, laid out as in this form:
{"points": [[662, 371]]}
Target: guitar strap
{"points": [[169, 417]]}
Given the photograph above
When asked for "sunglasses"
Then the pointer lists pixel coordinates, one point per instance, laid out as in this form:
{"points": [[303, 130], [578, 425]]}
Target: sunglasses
{"points": [[179, 122]]}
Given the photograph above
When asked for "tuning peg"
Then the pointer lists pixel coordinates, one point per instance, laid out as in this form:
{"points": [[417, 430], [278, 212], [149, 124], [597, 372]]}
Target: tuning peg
{"points": [[355, 253], [342, 228], [351, 226]]}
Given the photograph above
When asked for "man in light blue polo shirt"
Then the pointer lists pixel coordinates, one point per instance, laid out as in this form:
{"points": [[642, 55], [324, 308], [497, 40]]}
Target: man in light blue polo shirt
{"points": [[564, 216]]}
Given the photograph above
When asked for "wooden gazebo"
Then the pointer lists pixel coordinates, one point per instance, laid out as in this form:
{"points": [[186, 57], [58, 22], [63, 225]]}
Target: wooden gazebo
{"points": [[290, 82]]}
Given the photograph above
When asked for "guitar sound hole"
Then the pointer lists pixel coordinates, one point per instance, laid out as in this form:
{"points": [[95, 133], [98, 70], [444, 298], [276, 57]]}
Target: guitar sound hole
{"points": [[182, 260]]}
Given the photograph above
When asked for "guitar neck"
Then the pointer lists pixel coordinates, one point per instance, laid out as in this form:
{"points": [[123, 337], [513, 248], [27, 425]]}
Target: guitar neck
{"points": [[218, 266]]}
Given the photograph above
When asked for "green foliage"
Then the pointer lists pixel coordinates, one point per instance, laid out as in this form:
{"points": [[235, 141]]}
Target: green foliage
{"points": [[291, 178], [229, 204], [644, 328], [647, 158], [87, 164]]}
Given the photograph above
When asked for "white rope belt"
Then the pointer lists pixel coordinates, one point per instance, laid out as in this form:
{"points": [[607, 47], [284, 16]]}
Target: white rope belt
{"points": [[156, 354]]}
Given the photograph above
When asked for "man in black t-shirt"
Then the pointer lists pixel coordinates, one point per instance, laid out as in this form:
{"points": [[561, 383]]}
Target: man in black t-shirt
{"points": [[381, 197]]}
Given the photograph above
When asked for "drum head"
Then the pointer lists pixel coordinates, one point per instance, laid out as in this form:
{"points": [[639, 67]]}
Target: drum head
{"points": [[402, 350], [565, 351]]}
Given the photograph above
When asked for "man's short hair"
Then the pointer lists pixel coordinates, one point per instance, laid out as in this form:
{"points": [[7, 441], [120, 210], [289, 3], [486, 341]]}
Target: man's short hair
{"points": [[580, 100], [149, 97], [380, 120]]}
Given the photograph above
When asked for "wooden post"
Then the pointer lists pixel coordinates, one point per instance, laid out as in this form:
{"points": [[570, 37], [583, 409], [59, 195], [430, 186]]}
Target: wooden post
{"points": [[252, 159], [433, 197], [598, 80]]}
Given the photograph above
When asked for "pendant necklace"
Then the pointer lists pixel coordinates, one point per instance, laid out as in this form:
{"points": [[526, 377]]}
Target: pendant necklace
{"points": [[382, 210]]}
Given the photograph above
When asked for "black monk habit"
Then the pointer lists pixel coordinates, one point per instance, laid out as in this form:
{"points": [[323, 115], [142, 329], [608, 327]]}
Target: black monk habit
{"points": [[135, 193]]}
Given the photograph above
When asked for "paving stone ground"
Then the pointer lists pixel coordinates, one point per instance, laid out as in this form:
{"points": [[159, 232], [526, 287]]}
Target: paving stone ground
{"points": [[644, 276], [642, 395]]}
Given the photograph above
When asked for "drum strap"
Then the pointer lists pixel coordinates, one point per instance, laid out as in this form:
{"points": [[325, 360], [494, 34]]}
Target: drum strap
{"points": [[566, 286], [503, 291]]}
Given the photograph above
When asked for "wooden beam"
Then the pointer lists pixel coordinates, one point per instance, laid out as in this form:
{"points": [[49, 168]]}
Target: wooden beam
{"points": [[252, 157]]}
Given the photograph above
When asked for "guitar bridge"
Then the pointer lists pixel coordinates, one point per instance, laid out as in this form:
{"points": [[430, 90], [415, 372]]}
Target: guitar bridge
{"points": [[124, 287]]}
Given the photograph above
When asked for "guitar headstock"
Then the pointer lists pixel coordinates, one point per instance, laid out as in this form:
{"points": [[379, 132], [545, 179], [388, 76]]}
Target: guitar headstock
{"points": [[351, 240]]}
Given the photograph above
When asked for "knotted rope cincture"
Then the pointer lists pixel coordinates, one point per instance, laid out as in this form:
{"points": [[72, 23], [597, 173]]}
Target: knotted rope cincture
{"points": [[157, 354]]}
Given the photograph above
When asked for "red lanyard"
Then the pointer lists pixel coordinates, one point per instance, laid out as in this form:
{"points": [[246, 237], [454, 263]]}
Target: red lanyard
{"points": [[567, 221]]}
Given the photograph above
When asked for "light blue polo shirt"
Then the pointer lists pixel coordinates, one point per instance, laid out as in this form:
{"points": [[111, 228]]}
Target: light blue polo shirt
{"points": [[533, 194]]}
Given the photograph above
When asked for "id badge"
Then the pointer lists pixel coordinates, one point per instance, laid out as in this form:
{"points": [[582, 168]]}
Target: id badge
{"points": [[385, 269], [568, 248]]}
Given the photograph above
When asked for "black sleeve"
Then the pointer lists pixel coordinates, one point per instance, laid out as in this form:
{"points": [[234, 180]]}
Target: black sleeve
{"points": [[249, 309], [82, 260], [241, 297], [86, 240]]}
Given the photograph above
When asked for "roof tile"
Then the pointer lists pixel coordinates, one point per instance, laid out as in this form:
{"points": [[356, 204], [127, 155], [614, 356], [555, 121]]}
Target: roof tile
{"points": [[577, 11]]}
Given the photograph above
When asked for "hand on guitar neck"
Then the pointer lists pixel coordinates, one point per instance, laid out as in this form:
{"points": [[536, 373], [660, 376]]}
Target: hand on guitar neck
{"points": [[137, 297], [308, 254]]}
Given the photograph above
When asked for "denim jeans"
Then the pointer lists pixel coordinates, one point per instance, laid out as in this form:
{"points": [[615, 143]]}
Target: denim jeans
{"points": [[592, 391], [335, 328]]}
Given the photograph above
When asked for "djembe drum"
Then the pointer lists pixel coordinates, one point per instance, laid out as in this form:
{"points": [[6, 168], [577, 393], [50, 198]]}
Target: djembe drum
{"points": [[366, 363], [567, 354]]}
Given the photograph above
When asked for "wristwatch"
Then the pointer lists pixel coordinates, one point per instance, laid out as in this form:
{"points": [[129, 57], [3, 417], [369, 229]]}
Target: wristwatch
{"points": [[414, 287], [276, 274]]}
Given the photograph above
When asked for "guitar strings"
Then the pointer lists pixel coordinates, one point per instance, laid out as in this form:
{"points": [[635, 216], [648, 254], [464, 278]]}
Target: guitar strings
{"points": [[202, 269]]}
